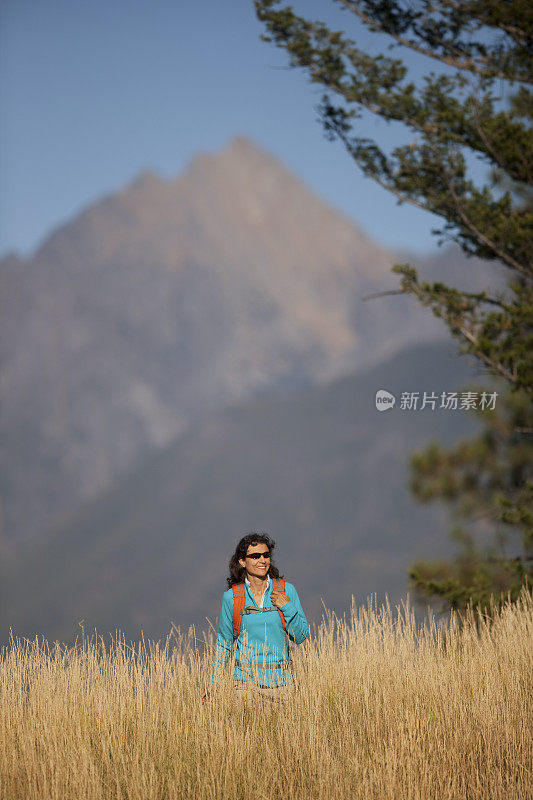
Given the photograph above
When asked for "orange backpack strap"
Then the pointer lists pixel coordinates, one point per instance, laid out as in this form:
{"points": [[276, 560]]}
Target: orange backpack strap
{"points": [[279, 586], [238, 607]]}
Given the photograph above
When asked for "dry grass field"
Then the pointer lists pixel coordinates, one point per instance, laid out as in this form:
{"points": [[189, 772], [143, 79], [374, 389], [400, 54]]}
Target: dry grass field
{"points": [[381, 711]]}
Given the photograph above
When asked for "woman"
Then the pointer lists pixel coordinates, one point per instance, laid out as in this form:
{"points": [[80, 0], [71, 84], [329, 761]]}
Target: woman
{"points": [[259, 611]]}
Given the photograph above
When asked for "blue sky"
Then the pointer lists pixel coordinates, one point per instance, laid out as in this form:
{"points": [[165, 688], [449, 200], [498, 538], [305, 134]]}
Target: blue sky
{"points": [[93, 93]]}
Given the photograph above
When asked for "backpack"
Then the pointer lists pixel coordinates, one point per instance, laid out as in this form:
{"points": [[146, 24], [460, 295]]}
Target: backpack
{"points": [[238, 603]]}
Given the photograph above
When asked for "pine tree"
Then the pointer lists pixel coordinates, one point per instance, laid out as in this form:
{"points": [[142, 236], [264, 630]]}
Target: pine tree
{"points": [[487, 481], [478, 103]]}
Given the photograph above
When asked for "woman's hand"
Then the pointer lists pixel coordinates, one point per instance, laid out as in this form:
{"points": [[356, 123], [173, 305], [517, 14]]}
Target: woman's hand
{"points": [[279, 599]]}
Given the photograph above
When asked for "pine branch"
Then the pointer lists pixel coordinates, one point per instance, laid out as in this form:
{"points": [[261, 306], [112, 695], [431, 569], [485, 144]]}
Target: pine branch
{"points": [[482, 135], [468, 335], [502, 255], [451, 61], [517, 34]]}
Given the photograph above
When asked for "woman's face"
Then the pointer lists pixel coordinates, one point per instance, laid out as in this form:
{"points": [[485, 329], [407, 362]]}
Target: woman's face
{"points": [[256, 566]]}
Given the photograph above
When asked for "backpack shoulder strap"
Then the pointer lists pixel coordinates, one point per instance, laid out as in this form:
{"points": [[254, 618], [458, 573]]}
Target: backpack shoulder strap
{"points": [[238, 607], [279, 586]]}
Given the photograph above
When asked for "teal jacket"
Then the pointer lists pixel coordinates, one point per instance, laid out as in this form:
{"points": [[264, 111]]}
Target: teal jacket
{"points": [[261, 638]]}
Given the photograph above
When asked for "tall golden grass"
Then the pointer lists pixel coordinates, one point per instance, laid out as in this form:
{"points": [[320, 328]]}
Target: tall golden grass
{"points": [[382, 709]]}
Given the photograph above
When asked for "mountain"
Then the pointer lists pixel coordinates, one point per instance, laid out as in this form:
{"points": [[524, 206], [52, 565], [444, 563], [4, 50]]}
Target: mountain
{"points": [[168, 300], [320, 469]]}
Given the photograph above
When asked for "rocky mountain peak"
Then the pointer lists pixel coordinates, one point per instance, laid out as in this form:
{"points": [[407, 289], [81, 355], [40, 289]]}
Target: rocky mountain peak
{"points": [[167, 300]]}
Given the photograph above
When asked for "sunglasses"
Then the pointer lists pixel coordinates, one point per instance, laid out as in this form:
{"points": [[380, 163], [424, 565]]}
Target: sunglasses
{"points": [[255, 556]]}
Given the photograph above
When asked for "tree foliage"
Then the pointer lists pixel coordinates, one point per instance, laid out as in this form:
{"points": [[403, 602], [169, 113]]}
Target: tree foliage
{"points": [[475, 103], [488, 482]]}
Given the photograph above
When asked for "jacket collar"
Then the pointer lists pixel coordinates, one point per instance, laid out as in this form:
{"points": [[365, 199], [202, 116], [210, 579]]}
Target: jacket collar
{"points": [[268, 584], [247, 582]]}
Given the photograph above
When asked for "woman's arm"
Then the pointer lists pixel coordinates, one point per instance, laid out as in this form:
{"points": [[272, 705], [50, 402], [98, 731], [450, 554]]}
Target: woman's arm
{"points": [[224, 638], [295, 621]]}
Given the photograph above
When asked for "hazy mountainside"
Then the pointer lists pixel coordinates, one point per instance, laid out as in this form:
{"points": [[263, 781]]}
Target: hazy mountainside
{"points": [[319, 469], [167, 300]]}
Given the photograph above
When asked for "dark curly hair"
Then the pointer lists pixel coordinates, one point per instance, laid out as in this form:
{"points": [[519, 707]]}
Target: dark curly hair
{"points": [[236, 572]]}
